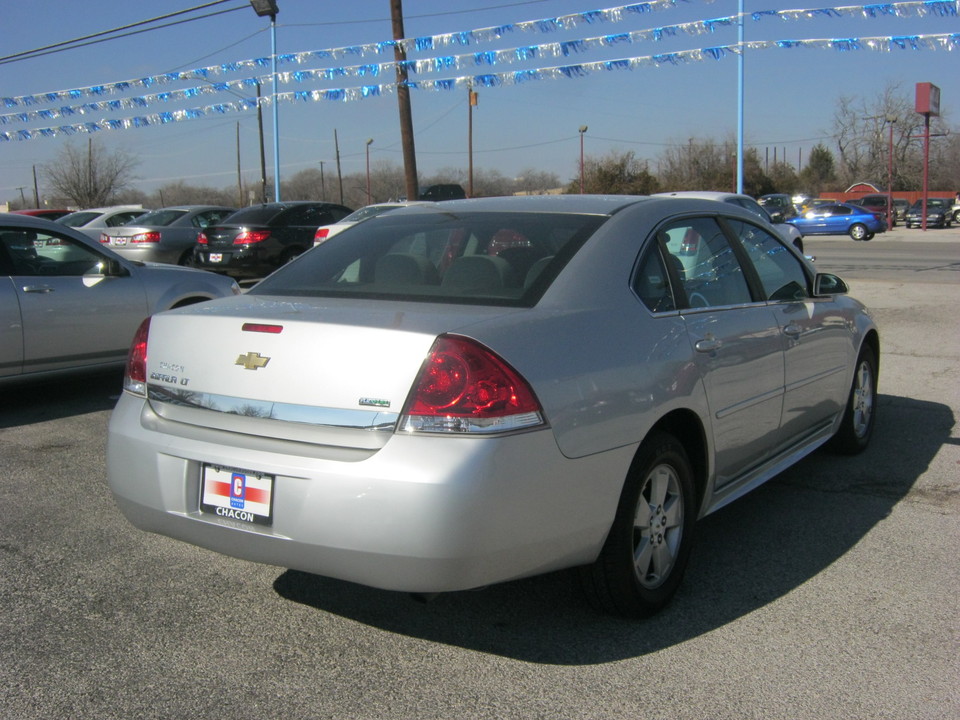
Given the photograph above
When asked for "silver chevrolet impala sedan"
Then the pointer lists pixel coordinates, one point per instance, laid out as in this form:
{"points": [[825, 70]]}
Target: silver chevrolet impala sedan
{"points": [[448, 396]]}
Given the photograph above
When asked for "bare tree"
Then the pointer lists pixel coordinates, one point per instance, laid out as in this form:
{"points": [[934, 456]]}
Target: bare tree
{"points": [[92, 177], [862, 128]]}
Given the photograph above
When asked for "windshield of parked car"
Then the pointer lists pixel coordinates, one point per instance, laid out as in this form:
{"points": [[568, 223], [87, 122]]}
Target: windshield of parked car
{"points": [[489, 258], [160, 218], [78, 219]]}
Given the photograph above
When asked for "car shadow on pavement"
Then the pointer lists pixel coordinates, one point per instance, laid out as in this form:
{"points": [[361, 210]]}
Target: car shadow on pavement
{"points": [[747, 555], [35, 401]]}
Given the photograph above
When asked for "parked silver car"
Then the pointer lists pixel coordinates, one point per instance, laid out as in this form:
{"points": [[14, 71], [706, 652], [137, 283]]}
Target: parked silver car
{"points": [[68, 304], [167, 235], [456, 395], [93, 221]]}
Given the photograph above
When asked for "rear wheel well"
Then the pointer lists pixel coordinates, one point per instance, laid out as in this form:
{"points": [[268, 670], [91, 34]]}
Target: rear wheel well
{"points": [[686, 427]]}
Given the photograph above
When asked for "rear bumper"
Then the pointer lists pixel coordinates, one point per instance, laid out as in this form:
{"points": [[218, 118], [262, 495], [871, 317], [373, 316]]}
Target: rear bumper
{"points": [[422, 514]]}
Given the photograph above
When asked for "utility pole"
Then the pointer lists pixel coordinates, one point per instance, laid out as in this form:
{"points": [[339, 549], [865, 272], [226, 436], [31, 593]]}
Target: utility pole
{"points": [[403, 100], [323, 187], [263, 158], [336, 145], [239, 181], [36, 189], [471, 102]]}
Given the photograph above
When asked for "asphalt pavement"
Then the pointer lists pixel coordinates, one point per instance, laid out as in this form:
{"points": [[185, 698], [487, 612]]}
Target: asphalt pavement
{"points": [[831, 592]]}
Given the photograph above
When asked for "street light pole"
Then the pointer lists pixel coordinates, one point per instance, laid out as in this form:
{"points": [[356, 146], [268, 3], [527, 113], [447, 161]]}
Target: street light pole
{"points": [[583, 129], [263, 8], [891, 119], [369, 142]]}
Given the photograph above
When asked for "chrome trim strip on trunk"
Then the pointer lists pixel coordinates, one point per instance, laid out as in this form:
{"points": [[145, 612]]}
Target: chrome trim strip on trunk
{"points": [[302, 423]]}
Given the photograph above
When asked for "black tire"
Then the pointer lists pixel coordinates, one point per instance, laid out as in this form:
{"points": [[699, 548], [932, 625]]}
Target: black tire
{"points": [[644, 557], [858, 231], [869, 236], [860, 415]]}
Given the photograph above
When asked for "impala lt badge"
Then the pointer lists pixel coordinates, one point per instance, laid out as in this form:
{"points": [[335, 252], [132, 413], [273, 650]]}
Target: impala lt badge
{"points": [[252, 361]]}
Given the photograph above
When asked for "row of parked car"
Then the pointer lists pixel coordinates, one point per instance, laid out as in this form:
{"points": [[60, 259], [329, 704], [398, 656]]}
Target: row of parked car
{"points": [[861, 218]]}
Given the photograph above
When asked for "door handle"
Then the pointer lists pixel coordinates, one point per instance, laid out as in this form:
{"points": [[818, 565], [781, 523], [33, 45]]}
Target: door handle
{"points": [[37, 289], [793, 330], [709, 344]]}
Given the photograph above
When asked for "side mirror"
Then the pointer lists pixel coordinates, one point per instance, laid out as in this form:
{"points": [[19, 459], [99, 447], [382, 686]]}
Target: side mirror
{"points": [[827, 284], [776, 216], [108, 268]]}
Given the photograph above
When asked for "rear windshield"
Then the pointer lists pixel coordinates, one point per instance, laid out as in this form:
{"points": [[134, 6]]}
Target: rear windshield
{"points": [[160, 218], [254, 215], [78, 219], [487, 258]]}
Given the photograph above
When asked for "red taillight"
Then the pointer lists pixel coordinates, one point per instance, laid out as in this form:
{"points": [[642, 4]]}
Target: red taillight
{"points": [[135, 376], [147, 237], [463, 387], [320, 235], [202, 239], [104, 238], [262, 328], [249, 237]]}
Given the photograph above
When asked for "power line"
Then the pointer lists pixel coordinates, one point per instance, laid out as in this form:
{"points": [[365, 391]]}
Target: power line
{"points": [[425, 15], [91, 39]]}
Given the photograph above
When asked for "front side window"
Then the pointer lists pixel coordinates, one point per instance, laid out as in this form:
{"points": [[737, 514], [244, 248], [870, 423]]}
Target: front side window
{"points": [[709, 272], [34, 253], [781, 272], [495, 258]]}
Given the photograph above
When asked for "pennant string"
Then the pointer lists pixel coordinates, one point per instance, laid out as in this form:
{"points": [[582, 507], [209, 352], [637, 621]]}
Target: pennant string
{"points": [[935, 8], [948, 41]]}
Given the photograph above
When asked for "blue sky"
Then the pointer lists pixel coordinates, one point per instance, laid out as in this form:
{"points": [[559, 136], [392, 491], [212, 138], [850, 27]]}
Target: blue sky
{"points": [[790, 94]]}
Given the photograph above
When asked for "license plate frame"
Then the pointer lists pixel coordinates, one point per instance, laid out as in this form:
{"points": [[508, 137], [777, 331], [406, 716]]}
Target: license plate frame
{"points": [[216, 257], [244, 496]]}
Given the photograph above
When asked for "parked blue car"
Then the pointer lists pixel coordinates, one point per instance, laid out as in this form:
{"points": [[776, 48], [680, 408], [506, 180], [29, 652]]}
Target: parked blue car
{"points": [[839, 219]]}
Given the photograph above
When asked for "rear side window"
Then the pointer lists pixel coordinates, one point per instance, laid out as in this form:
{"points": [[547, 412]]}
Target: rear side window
{"points": [[488, 257]]}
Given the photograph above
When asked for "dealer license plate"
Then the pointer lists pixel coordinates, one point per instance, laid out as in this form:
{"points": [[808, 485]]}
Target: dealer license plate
{"points": [[237, 494]]}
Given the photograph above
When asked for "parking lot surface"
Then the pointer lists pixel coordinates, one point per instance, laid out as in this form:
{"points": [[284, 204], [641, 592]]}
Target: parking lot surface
{"points": [[833, 591]]}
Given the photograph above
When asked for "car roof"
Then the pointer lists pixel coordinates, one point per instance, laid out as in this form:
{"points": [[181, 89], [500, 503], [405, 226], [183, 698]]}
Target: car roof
{"points": [[703, 195], [30, 221], [589, 204]]}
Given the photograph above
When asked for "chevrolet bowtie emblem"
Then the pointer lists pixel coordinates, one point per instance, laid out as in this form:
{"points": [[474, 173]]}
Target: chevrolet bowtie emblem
{"points": [[252, 361]]}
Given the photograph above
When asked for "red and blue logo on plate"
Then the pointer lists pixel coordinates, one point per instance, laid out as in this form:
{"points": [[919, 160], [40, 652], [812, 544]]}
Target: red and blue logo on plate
{"points": [[238, 490]]}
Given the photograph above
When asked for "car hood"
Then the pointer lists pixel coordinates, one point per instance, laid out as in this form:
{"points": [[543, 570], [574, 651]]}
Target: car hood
{"points": [[299, 353]]}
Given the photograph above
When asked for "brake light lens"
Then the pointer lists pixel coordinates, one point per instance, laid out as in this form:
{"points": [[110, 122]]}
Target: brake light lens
{"points": [[147, 237], [465, 388], [320, 235], [249, 237], [202, 239], [135, 375], [104, 238]]}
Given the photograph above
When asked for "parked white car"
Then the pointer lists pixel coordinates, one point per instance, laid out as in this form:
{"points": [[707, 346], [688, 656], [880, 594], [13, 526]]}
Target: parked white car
{"points": [[326, 232], [93, 221]]}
